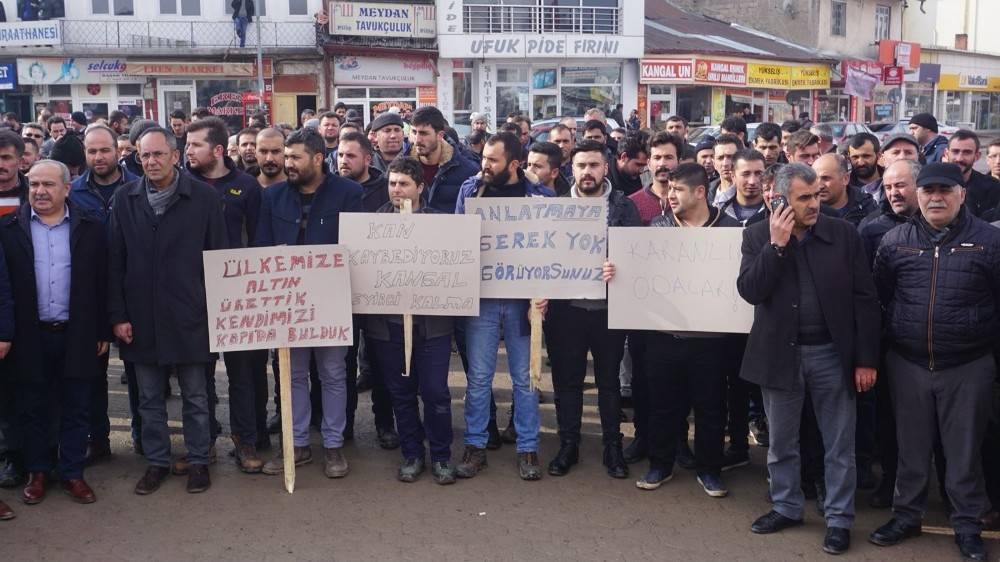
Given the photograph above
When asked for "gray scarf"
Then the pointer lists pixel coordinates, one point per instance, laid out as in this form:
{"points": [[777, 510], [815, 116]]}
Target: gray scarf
{"points": [[161, 199]]}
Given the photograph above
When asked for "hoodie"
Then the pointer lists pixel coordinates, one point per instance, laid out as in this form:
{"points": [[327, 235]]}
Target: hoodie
{"points": [[240, 202]]}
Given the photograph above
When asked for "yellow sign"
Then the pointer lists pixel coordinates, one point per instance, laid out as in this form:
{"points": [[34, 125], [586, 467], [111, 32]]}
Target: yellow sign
{"points": [[718, 105], [773, 76], [969, 83], [810, 77]]}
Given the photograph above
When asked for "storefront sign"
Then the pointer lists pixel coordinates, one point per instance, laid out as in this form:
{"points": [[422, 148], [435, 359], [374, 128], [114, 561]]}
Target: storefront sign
{"points": [[769, 76], [892, 75], [516, 45], [720, 72], [654, 71], [72, 71], [8, 75], [969, 83], [373, 71], [810, 77], [369, 19], [30, 33], [899, 53], [883, 110], [973, 81], [215, 69]]}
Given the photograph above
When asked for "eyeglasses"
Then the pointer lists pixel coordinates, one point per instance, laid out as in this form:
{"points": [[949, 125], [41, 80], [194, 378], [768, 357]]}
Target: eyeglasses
{"points": [[34, 136], [158, 156]]}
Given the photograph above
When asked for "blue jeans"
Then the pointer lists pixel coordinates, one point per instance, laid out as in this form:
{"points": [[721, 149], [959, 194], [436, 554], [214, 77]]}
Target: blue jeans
{"points": [[151, 379], [240, 24], [332, 365], [496, 317]]}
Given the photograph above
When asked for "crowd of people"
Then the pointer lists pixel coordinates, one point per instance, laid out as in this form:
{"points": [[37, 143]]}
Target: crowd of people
{"points": [[872, 268]]}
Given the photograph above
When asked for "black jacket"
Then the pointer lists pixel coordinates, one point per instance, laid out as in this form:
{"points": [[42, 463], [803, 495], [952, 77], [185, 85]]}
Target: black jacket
{"points": [[157, 277], [88, 319], [716, 218], [846, 291], [240, 195], [622, 211], [250, 11], [982, 195], [621, 181], [376, 193], [6, 302], [940, 299], [874, 226], [859, 205]]}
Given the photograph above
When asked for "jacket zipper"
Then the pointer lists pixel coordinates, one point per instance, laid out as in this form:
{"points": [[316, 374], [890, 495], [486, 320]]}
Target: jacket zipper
{"points": [[930, 310]]}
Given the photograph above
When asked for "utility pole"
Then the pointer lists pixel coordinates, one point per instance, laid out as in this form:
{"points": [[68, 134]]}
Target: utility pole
{"points": [[260, 67]]}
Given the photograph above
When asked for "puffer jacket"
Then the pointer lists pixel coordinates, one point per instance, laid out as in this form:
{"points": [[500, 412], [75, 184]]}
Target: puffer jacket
{"points": [[940, 299]]}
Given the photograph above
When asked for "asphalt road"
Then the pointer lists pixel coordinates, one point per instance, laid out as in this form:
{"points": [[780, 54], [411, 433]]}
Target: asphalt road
{"points": [[371, 516]]}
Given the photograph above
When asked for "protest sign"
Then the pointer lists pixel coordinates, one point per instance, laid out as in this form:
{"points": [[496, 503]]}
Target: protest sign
{"points": [[676, 279], [425, 264], [279, 296], [545, 248]]}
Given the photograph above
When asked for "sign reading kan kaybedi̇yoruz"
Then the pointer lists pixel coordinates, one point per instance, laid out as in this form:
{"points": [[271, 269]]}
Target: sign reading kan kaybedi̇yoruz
{"points": [[379, 19], [30, 33]]}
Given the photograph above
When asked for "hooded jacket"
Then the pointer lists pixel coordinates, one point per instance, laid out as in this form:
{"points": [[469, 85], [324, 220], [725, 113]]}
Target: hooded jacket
{"points": [[240, 199], [453, 170], [376, 193]]}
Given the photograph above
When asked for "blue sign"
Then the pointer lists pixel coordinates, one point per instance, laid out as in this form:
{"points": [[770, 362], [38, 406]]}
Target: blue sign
{"points": [[8, 76]]}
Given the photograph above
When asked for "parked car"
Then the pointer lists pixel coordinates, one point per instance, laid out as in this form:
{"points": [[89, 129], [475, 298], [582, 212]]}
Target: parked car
{"points": [[540, 129], [844, 130], [885, 130], [698, 134]]}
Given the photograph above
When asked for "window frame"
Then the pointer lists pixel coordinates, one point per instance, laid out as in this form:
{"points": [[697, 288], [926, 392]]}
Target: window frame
{"points": [[883, 25], [179, 9], [836, 5]]}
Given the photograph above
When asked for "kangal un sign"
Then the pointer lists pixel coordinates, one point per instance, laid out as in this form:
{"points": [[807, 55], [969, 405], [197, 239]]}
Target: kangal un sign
{"points": [[279, 296], [425, 264], [541, 247], [677, 279]]}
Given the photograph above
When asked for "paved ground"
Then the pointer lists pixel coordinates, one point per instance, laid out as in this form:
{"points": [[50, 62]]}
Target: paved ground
{"points": [[371, 516]]}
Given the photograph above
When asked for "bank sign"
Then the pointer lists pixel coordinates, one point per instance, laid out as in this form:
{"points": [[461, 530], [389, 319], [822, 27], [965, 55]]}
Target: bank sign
{"points": [[383, 20], [30, 33]]}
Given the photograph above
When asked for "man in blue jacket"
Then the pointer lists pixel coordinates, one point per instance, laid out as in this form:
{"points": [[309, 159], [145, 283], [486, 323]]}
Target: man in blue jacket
{"points": [[924, 127], [92, 193], [501, 177], [445, 166], [306, 210], [247, 370]]}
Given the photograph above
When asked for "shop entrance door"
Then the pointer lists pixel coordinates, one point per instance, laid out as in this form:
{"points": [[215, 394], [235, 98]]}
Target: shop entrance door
{"points": [[661, 106], [174, 95]]}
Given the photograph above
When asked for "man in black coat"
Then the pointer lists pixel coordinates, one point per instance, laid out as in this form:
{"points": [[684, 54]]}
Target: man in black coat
{"points": [[160, 225], [6, 336], [938, 278], [816, 334], [57, 259]]}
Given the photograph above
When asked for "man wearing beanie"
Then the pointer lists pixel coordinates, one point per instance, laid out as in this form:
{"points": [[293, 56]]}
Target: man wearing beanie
{"points": [[69, 151], [389, 139], [924, 127]]}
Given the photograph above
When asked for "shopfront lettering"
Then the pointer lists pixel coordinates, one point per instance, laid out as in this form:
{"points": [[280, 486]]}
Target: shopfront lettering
{"points": [[496, 47], [596, 46], [546, 47], [383, 12]]}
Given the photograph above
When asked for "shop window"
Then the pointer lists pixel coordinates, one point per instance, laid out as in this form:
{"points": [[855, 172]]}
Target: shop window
{"points": [[372, 102], [224, 98], [883, 15], [591, 75], [513, 74], [298, 7], [121, 7], [351, 93], [95, 111], [512, 99], [187, 7], [838, 17], [260, 8], [576, 100], [462, 94]]}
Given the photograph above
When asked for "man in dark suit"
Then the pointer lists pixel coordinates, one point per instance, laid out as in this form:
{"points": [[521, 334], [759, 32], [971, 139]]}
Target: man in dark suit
{"points": [[57, 259], [816, 334], [6, 335]]}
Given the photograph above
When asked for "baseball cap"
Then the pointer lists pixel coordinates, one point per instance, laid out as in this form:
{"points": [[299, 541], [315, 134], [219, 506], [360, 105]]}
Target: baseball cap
{"points": [[940, 173], [906, 137]]}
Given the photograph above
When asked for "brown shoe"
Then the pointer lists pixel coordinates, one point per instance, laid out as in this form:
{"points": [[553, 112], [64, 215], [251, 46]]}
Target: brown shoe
{"points": [[34, 491], [181, 466], [78, 490], [302, 455], [150, 482], [198, 479], [473, 461], [336, 464], [246, 456], [6, 513]]}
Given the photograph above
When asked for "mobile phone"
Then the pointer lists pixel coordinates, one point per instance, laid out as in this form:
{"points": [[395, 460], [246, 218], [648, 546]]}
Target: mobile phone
{"points": [[778, 201]]}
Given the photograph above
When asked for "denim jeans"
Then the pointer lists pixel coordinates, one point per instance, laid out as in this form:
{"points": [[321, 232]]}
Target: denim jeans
{"points": [[332, 365], [151, 381], [496, 317], [240, 25]]}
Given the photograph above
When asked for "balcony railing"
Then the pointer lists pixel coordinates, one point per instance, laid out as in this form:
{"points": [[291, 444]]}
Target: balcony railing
{"points": [[159, 35], [541, 19]]}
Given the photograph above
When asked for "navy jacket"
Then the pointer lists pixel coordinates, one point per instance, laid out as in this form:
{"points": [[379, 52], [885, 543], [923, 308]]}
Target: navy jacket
{"points": [[941, 299], [281, 212], [89, 200], [240, 194], [453, 171], [934, 150]]}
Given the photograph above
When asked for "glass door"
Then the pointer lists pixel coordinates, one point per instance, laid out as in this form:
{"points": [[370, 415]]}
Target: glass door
{"points": [[661, 106], [176, 96]]}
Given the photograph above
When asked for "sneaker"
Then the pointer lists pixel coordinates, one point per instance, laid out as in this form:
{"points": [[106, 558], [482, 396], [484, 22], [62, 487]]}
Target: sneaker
{"points": [[759, 433], [388, 439], [528, 467], [181, 466], [335, 464], [443, 473], [713, 485], [735, 459], [410, 469], [473, 461], [685, 456], [302, 455], [653, 479]]}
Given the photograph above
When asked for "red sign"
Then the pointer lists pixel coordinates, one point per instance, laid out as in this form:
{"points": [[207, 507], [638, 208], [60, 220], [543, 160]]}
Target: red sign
{"points": [[720, 72], [892, 75], [866, 66], [901, 53], [652, 71]]}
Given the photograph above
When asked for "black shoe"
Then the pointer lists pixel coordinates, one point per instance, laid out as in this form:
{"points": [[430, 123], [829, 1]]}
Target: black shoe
{"points": [[568, 455], [388, 439], [837, 540], [527, 466], [772, 522], [821, 497], [636, 450], [685, 457], [866, 478], [364, 382], [493, 441], [509, 434], [274, 424], [11, 475], [971, 546], [893, 532], [734, 459], [614, 460], [882, 497]]}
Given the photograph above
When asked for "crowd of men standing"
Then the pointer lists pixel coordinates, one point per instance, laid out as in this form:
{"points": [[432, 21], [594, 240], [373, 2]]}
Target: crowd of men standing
{"points": [[874, 276]]}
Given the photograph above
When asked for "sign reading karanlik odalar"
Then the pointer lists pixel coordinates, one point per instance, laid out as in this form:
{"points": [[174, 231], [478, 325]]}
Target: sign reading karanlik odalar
{"points": [[426, 264], [278, 296], [544, 248]]}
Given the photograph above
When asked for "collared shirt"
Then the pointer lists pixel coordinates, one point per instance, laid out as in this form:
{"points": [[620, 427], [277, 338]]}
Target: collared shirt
{"points": [[52, 267]]}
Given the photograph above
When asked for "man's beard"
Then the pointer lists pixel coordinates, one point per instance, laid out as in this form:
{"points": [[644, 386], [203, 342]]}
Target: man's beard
{"points": [[304, 178], [497, 180], [593, 185], [866, 172], [250, 159], [270, 170]]}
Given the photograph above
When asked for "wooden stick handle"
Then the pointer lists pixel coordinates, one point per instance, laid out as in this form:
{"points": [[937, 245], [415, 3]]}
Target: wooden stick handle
{"points": [[406, 209], [287, 441], [535, 363]]}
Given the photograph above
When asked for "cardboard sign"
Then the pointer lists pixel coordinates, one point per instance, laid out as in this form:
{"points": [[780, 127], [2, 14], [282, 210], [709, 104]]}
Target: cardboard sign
{"points": [[537, 247], [425, 264], [280, 296], [677, 279]]}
